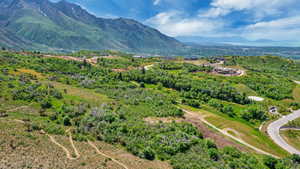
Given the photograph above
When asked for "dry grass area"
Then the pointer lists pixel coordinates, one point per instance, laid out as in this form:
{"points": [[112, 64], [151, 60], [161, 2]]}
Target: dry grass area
{"points": [[22, 149], [296, 93], [248, 134], [155, 120], [195, 62], [81, 94], [30, 71], [292, 137], [245, 89]]}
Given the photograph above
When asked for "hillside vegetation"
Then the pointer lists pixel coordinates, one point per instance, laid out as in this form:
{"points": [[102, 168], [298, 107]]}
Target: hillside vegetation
{"points": [[64, 26], [111, 100]]}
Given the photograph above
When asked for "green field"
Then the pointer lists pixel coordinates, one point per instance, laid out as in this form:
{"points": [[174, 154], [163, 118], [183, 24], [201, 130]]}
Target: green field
{"points": [[292, 137]]}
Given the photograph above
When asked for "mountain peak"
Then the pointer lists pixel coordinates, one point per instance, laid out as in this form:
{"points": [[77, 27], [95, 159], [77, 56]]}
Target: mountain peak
{"points": [[68, 26]]}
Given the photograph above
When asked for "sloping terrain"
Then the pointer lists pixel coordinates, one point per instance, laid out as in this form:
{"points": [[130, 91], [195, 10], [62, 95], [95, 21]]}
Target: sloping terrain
{"points": [[73, 107], [9, 40], [64, 25]]}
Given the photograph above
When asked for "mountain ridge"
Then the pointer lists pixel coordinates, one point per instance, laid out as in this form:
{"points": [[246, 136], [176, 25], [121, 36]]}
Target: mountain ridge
{"points": [[64, 25]]}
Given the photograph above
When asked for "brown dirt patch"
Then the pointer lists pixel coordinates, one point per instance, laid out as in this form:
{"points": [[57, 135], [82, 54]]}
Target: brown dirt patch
{"points": [[21, 149], [155, 120], [219, 139]]}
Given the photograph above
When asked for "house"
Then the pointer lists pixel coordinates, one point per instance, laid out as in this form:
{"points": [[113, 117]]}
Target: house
{"points": [[273, 110], [227, 71]]}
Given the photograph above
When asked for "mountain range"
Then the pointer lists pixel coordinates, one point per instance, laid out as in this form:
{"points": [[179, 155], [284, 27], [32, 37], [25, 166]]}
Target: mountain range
{"points": [[63, 26]]}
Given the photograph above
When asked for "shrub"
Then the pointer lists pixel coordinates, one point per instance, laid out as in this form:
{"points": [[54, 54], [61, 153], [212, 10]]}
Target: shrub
{"points": [[270, 162], [67, 121], [213, 154], [46, 104]]}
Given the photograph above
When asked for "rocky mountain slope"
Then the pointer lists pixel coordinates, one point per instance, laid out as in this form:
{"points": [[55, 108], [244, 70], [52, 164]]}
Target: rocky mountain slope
{"points": [[67, 26]]}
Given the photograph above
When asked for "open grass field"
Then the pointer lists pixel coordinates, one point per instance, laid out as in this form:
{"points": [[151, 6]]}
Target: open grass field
{"points": [[296, 93], [29, 71], [241, 130], [80, 94], [245, 89], [292, 137]]}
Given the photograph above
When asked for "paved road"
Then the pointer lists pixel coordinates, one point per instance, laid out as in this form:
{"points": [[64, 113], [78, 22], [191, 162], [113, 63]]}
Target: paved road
{"points": [[274, 131]]}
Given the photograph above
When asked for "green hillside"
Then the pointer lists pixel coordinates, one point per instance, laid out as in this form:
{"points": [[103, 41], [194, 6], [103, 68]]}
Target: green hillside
{"points": [[149, 109], [67, 26]]}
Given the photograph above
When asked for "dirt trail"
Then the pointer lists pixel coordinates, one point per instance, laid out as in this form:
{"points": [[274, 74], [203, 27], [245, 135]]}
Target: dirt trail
{"points": [[72, 143], [100, 153], [21, 107], [17, 108], [69, 155], [197, 116]]}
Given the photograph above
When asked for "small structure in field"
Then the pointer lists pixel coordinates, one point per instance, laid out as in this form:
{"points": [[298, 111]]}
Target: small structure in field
{"points": [[228, 71], [256, 98], [139, 56], [273, 110]]}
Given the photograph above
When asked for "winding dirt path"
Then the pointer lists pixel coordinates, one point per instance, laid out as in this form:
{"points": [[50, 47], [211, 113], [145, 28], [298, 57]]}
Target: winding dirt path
{"points": [[21, 107], [17, 108], [100, 153], [69, 155], [196, 115], [72, 144]]}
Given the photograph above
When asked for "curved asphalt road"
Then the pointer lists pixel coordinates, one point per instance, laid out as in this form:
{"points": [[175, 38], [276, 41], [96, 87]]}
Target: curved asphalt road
{"points": [[274, 129]]}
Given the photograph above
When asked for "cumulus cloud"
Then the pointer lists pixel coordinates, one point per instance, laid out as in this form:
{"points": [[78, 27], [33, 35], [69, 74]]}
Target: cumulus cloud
{"points": [[259, 8], [175, 23], [254, 19], [280, 29]]}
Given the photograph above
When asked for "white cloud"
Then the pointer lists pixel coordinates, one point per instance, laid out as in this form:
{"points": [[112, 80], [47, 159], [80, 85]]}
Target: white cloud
{"points": [[212, 21], [259, 8], [174, 23], [280, 29]]}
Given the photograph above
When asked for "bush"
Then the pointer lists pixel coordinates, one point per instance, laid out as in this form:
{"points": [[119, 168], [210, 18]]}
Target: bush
{"points": [[54, 129], [254, 113], [46, 104], [67, 121], [228, 110], [270, 162], [210, 144], [149, 154], [192, 102], [296, 158], [213, 154]]}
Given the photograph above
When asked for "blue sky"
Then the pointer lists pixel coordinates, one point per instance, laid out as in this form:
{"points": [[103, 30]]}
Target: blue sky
{"points": [[252, 19]]}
